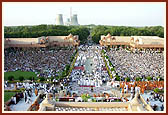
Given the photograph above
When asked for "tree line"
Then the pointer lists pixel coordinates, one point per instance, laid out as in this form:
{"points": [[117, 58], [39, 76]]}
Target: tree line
{"points": [[45, 30], [83, 31], [97, 31]]}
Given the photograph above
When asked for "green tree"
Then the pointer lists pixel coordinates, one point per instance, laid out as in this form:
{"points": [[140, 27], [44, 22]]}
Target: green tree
{"points": [[21, 78], [149, 78], [110, 64], [52, 78], [138, 79], [67, 67], [107, 57], [117, 78], [128, 79], [97, 31], [156, 90], [10, 78], [85, 97], [42, 79], [112, 69], [30, 78], [45, 30]]}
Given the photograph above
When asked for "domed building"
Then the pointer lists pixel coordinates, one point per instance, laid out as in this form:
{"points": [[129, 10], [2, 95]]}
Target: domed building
{"points": [[133, 42], [44, 41]]}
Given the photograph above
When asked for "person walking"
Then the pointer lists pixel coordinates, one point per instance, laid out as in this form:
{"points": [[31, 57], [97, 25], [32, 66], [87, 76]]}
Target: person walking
{"points": [[36, 92], [25, 96]]}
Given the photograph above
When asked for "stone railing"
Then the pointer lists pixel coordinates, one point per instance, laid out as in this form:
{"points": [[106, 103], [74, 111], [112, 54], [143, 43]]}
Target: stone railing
{"points": [[147, 106], [138, 104], [93, 104], [36, 100]]}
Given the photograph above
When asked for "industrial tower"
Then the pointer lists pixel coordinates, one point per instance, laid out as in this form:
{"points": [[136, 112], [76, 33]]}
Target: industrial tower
{"points": [[73, 20], [59, 19]]}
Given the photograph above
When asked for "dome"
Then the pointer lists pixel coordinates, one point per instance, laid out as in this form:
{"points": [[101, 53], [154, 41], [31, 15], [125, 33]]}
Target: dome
{"points": [[70, 35], [113, 38], [65, 38], [137, 40], [75, 37], [132, 38], [108, 35], [42, 41]]}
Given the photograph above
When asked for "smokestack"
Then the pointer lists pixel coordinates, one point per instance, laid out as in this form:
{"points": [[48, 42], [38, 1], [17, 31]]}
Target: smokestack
{"points": [[59, 19], [68, 22], [70, 13], [74, 20]]}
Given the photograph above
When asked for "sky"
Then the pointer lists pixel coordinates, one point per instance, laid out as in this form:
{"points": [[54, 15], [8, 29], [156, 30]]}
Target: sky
{"points": [[98, 13]]}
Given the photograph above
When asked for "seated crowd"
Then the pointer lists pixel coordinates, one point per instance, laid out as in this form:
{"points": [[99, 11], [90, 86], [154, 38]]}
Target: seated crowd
{"points": [[142, 64], [47, 62]]}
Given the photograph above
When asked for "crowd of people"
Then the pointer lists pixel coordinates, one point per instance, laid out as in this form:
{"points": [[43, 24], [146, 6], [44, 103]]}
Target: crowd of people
{"points": [[93, 68], [28, 94], [50, 62], [142, 64], [93, 77], [47, 62]]}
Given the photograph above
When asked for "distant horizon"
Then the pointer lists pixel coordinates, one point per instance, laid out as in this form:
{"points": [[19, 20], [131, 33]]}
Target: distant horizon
{"points": [[83, 25], [134, 14]]}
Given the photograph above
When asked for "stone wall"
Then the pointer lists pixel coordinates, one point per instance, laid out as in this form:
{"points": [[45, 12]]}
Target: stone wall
{"points": [[92, 104], [56, 38], [23, 40]]}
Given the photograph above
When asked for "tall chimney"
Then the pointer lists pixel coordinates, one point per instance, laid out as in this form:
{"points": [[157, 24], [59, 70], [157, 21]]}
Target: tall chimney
{"points": [[74, 20], [59, 19]]}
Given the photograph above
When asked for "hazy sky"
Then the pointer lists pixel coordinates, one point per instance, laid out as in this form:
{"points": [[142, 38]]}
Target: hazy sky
{"points": [[99, 13]]}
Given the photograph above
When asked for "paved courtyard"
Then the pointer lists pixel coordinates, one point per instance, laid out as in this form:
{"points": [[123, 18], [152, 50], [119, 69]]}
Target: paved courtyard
{"points": [[22, 105]]}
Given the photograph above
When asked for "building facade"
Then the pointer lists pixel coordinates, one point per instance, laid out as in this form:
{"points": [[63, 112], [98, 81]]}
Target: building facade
{"points": [[133, 42], [43, 41]]}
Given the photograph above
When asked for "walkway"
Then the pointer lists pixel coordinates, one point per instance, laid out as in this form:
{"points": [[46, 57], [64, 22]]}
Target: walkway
{"points": [[89, 65], [22, 105]]}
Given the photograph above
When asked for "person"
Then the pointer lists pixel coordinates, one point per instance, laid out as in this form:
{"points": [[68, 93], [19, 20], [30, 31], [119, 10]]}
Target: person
{"points": [[25, 95], [54, 91], [155, 107], [28, 100], [107, 97], [147, 100], [91, 88], [5, 85], [162, 108], [62, 86], [162, 99], [28, 92], [132, 89], [22, 95], [36, 91], [14, 99]]}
